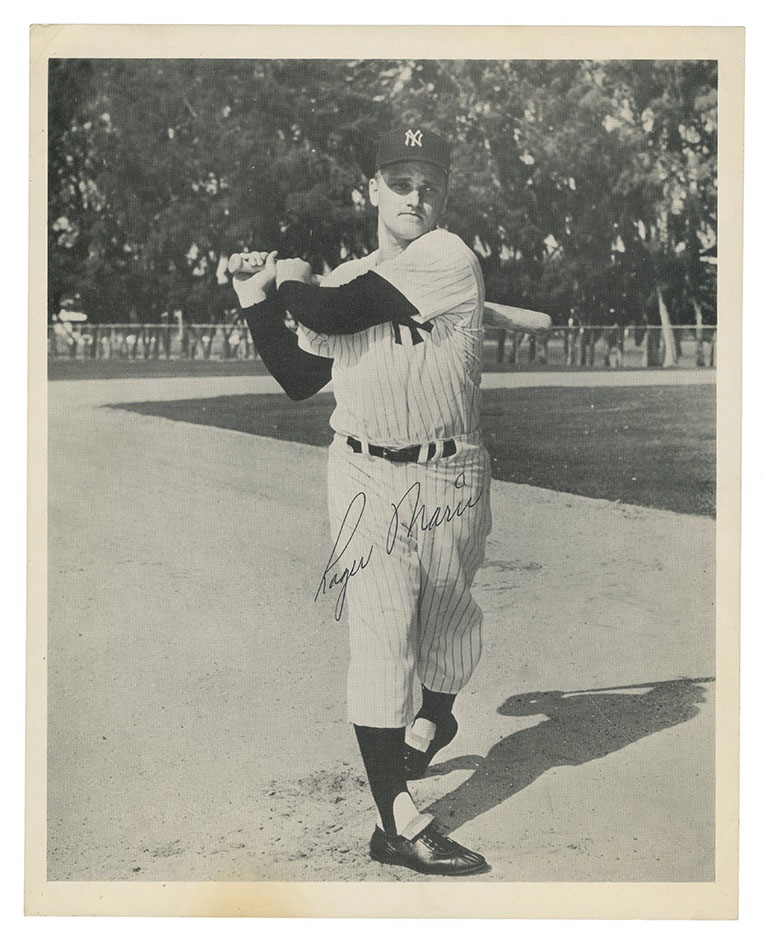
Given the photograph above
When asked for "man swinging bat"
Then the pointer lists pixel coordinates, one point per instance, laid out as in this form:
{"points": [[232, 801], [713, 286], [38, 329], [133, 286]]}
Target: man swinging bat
{"points": [[399, 333]]}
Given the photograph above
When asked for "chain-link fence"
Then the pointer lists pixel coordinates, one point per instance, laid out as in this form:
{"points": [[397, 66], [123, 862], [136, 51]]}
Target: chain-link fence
{"points": [[149, 342], [616, 347]]}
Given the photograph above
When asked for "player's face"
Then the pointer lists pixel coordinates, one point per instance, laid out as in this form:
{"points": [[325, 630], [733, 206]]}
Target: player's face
{"points": [[410, 197]]}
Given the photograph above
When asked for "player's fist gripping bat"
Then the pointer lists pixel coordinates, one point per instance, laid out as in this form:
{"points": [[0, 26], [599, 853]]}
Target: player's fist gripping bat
{"points": [[253, 274], [245, 265]]}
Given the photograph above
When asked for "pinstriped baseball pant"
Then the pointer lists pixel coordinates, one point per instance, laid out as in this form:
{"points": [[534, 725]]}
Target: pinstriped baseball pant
{"points": [[409, 538]]}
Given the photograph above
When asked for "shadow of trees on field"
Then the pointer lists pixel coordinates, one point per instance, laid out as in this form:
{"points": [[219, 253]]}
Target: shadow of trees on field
{"points": [[578, 728]]}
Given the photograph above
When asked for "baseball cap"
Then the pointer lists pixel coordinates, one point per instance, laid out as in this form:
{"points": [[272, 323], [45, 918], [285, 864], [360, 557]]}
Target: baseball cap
{"points": [[413, 144]]}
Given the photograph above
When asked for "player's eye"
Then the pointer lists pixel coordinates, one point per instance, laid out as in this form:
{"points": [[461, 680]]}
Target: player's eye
{"points": [[404, 186]]}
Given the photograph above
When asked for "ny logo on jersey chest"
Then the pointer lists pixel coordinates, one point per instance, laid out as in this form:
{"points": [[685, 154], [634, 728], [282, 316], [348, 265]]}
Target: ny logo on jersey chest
{"points": [[414, 138], [413, 328]]}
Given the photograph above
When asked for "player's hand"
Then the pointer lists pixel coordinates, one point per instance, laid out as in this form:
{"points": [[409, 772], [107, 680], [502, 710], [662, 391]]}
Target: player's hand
{"points": [[293, 269], [252, 288]]}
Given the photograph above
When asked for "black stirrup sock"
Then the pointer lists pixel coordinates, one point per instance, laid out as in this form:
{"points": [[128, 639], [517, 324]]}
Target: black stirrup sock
{"points": [[382, 752], [436, 707]]}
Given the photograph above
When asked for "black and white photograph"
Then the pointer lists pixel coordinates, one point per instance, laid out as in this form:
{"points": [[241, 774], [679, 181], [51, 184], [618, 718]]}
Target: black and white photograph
{"points": [[387, 495]]}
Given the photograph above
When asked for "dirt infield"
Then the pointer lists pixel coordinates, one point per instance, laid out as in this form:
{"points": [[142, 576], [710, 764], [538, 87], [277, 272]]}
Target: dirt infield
{"points": [[196, 691]]}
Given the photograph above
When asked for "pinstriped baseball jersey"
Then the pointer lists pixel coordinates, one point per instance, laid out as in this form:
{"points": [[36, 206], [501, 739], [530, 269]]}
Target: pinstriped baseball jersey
{"points": [[415, 390]]}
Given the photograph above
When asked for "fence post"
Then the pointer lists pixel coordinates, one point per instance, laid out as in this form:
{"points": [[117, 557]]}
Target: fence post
{"points": [[516, 339]]}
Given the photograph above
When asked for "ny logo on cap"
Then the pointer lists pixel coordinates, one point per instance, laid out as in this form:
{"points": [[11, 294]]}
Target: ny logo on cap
{"points": [[413, 138]]}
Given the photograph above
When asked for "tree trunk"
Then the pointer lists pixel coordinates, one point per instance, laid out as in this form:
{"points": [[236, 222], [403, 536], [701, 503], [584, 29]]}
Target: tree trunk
{"points": [[700, 359], [651, 344], [588, 347], [501, 355], [667, 331], [543, 348]]}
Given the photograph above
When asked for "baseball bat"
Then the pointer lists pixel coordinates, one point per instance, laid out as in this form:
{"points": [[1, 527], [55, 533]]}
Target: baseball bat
{"points": [[496, 315], [614, 689], [502, 317]]}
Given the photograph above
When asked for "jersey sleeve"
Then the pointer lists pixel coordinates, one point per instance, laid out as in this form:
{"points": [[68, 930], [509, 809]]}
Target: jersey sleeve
{"points": [[436, 274], [300, 374], [364, 302]]}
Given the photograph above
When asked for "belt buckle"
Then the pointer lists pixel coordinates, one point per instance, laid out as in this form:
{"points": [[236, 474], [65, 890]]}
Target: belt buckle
{"points": [[388, 454]]}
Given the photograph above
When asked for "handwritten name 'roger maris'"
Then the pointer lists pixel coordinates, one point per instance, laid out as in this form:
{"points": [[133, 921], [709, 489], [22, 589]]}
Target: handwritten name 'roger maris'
{"points": [[419, 518]]}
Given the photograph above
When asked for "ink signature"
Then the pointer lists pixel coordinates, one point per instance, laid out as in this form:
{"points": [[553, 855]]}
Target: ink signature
{"points": [[420, 517], [342, 580]]}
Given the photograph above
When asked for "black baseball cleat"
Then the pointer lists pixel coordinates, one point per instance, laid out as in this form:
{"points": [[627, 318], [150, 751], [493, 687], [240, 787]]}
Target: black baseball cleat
{"points": [[416, 762], [428, 853]]}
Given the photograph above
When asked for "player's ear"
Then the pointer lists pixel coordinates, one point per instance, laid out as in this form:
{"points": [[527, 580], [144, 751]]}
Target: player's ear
{"points": [[373, 192]]}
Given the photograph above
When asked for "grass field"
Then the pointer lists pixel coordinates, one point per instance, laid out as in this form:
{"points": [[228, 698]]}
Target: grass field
{"points": [[148, 369], [647, 445]]}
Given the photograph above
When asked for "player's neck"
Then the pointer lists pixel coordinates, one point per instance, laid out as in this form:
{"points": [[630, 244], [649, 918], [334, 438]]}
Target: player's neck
{"points": [[390, 245]]}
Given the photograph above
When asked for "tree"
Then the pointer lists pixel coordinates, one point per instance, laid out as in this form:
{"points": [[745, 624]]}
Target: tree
{"points": [[579, 184]]}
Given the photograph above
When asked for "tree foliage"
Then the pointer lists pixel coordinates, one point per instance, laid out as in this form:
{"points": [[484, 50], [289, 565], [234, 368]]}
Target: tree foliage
{"points": [[585, 187]]}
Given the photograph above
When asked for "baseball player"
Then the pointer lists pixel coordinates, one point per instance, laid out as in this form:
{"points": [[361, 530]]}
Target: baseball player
{"points": [[399, 333]]}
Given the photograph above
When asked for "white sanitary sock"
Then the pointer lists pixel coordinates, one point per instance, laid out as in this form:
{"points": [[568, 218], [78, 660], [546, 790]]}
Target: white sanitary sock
{"points": [[420, 734]]}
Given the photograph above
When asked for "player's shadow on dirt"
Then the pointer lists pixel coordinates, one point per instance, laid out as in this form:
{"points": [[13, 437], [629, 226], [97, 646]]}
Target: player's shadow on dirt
{"points": [[578, 728]]}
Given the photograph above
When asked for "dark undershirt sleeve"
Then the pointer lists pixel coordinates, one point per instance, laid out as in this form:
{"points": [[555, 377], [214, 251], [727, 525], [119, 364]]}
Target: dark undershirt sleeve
{"points": [[300, 374], [366, 301]]}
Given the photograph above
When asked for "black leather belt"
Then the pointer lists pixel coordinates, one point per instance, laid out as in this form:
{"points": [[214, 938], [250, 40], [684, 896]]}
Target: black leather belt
{"points": [[409, 454]]}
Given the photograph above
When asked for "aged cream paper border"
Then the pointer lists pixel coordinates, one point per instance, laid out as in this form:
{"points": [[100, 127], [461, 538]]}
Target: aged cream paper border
{"points": [[717, 900]]}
